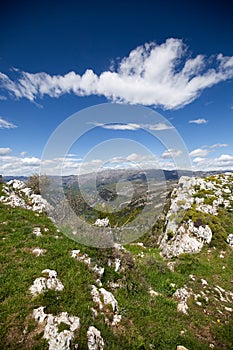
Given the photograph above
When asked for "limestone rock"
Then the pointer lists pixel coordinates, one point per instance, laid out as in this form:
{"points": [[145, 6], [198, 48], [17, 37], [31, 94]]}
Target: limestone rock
{"points": [[230, 239], [102, 222], [57, 340], [38, 251], [18, 195], [98, 270], [94, 339], [182, 295], [41, 284], [186, 236]]}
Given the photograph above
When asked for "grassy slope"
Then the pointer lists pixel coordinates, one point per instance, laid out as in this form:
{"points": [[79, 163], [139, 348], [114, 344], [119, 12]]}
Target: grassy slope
{"points": [[148, 322]]}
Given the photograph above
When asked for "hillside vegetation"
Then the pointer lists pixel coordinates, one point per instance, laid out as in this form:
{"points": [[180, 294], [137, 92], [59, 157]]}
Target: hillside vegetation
{"points": [[58, 294]]}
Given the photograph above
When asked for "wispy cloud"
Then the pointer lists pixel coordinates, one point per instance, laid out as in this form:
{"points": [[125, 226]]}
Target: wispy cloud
{"points": [[162, 75], [219, 145], [132, 126], [4, 124], [198, 121], [129, 126]]}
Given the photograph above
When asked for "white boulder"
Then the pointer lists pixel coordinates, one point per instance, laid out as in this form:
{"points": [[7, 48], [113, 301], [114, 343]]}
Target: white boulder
{"points": [[94, 339]]}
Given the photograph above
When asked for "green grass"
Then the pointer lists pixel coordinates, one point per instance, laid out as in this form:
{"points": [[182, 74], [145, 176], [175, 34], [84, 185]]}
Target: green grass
{"points": [[147, 322]]}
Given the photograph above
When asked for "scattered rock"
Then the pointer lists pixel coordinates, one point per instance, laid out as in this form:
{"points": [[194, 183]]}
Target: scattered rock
{"points": [[38, 251], [230, 239], [57, 340], [154, 293], [186, 236], [18, 195], [98, 270], [102, 222], [181, 347], [182, 295], [102, 297], [41, 284], [94, 339], [37, 231]]}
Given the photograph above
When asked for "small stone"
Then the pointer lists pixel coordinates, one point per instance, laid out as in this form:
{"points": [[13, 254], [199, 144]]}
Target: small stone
{"points": [[37, 231]]}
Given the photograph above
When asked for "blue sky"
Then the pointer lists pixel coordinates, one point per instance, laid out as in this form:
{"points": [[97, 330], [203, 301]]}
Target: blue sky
{"points": [[57, 58]]}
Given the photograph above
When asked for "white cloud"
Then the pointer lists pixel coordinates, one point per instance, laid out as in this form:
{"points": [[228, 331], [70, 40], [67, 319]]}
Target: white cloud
{"points": [[224, 162], [159, 126], [198, 121], [4, 124], [199, 152], [219, 145], [171, 153], [2, 98], [162, 75], [129, 126], [5, 151], [23, 153], [133, 126]]}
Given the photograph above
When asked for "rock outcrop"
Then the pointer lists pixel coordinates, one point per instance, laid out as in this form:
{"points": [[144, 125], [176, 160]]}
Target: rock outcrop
{"points": [[57, 340], [204, 195], [42, 284], [94, 339], [17, 194]]}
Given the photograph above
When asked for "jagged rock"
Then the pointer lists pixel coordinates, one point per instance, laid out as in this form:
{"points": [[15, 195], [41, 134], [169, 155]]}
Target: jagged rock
{"points": [[102, 222], [94, 339], [37, 231], [186, 236], [108, 299], [81, 257], [230, 239], [116, 263], [182, 295], [18, 195], [98, 270], [116, 319], [57, 340], [41, 284], [38, 251]]}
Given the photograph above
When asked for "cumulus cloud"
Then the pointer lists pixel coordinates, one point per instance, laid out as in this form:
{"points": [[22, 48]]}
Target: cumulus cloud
{"points": [[198, 121], [5, 151], [171, 153], [4, 124], [223, 162], [162, 75], [199, 152]]}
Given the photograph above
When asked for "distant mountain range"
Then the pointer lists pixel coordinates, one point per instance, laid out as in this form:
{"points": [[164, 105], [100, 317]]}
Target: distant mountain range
{"points": [[113, 175]]}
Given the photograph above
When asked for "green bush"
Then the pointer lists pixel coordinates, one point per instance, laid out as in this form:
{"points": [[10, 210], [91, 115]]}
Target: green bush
{"points": [[37, 182]]}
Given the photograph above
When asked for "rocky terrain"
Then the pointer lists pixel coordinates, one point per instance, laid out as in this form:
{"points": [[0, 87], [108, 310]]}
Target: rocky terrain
{"points": [[172, 292], [186, 231]]}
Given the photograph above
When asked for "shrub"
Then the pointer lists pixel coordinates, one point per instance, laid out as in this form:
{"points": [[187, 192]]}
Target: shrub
{"points": [[36, 182]]}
